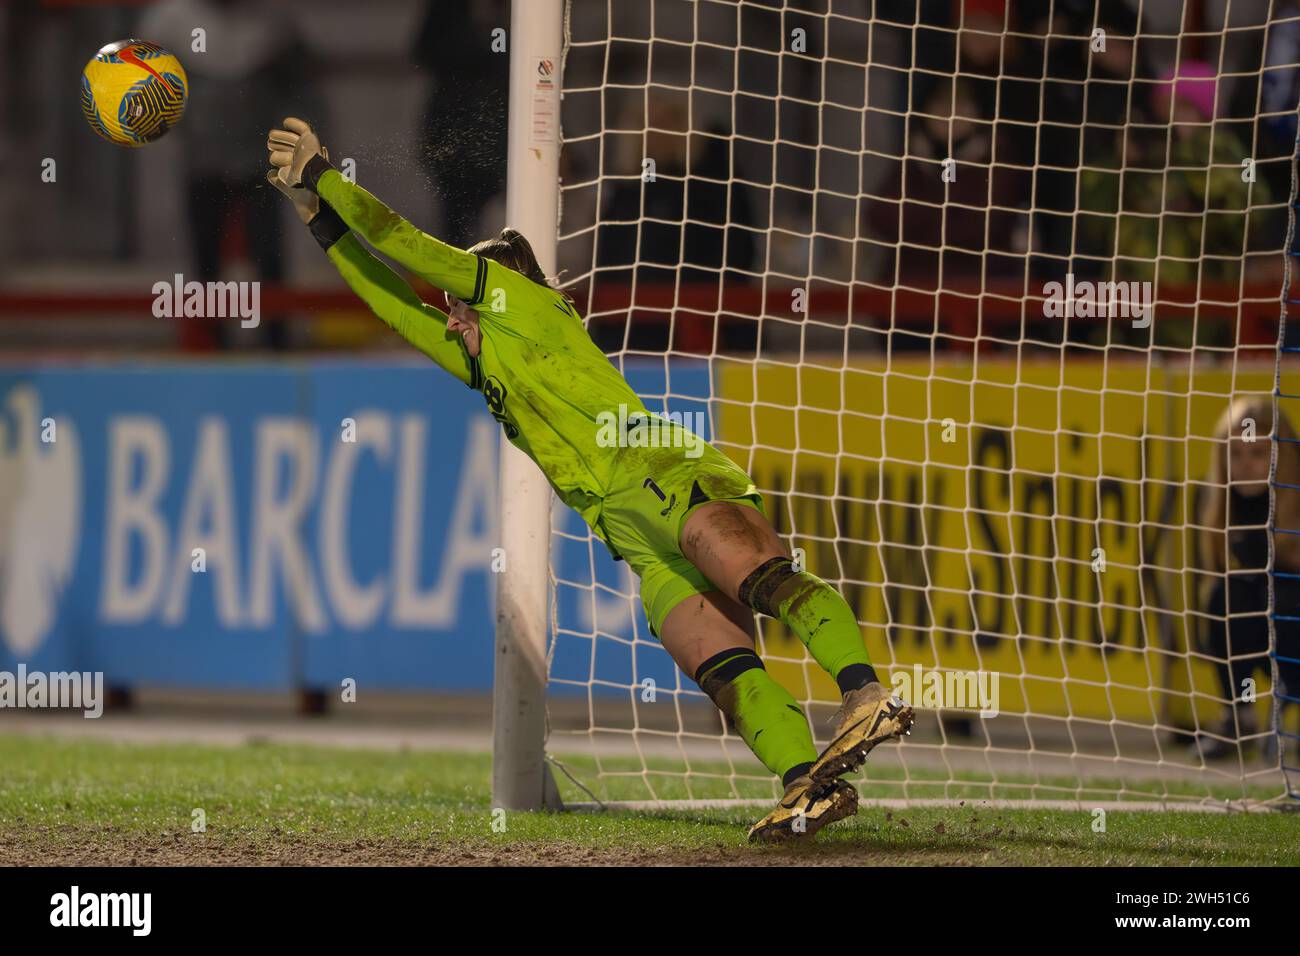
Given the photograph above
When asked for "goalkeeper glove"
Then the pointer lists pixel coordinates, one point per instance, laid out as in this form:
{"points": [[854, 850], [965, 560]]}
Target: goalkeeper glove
{"points": [[305, 202], [292, 149], [295, 147]]}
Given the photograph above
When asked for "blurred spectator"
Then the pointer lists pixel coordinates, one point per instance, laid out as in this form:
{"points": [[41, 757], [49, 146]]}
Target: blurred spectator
{"points": [[1232, 554], [1204, 209], [1276, 138], [253, 72], [688, 216], [984, 41], [688, 225], [1042, 92], [968, 228], [1175, 210], [1088, 101], [1281, 79], [1117, 135], [465, 129]]}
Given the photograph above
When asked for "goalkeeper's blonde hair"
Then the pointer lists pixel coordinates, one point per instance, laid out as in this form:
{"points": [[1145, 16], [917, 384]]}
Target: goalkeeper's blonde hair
{"points": [[512, 250]]}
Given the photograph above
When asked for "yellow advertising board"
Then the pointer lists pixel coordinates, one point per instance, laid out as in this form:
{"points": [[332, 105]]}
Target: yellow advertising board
{"points": [[1013, 516]]}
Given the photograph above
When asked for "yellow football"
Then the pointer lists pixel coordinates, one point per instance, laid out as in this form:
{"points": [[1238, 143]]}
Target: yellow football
{"points": [[133, 91]]}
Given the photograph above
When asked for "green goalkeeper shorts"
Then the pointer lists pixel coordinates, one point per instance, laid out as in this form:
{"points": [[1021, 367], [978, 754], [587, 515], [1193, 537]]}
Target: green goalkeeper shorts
{"points": [[652, 492]]}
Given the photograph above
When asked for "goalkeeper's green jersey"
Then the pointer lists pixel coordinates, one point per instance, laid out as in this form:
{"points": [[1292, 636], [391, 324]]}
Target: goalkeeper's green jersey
{"points": [[543, 378]]}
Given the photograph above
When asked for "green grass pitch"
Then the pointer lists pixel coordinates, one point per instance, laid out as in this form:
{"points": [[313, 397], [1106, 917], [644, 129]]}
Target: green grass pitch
{"points": [[86, 802]]}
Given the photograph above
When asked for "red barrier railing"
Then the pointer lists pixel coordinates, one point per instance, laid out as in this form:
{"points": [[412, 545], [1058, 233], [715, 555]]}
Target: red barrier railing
{"points": [[957, 313]]}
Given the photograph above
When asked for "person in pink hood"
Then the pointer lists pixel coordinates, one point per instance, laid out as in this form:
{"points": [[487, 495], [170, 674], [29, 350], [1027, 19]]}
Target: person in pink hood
{"points": [[1178, 211], [1192, 91]]}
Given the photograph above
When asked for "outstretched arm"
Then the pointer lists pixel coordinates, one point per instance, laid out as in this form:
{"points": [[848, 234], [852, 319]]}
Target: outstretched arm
{"points": [[450, 269], [396, 303], [378, 286], [297, 153]]}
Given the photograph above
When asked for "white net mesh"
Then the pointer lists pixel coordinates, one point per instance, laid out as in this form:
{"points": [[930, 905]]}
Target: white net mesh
{"points": [[877, 245]]}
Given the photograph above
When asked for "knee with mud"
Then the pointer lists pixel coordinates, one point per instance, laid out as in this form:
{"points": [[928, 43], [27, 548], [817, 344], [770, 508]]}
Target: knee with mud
{"points": [[817, 614]]}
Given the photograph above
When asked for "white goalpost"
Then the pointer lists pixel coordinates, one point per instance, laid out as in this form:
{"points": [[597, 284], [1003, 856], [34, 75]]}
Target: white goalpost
{"points": [[978, 304], [520, 777]]}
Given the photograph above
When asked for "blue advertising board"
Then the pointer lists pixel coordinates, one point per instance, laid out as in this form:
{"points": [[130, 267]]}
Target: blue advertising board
{"points": [[267, 526]]}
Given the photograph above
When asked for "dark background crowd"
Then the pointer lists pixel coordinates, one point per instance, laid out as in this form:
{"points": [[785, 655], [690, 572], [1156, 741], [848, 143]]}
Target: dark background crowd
{"points": [[795, 145]]}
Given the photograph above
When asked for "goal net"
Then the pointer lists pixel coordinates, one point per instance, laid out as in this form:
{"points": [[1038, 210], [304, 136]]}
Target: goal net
{"points": [[989, 298]]}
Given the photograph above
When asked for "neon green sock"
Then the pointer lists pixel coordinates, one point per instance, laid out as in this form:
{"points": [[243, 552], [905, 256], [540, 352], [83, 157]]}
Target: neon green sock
{"points": [[816, 612], [762, 711]]}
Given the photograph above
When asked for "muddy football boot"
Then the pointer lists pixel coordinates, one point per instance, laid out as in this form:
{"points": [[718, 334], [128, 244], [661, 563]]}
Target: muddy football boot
{"points": [[804, 809], [868, 716]]}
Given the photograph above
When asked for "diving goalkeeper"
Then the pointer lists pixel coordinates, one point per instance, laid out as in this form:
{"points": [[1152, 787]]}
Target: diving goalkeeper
{"points": [[692, 528]]}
